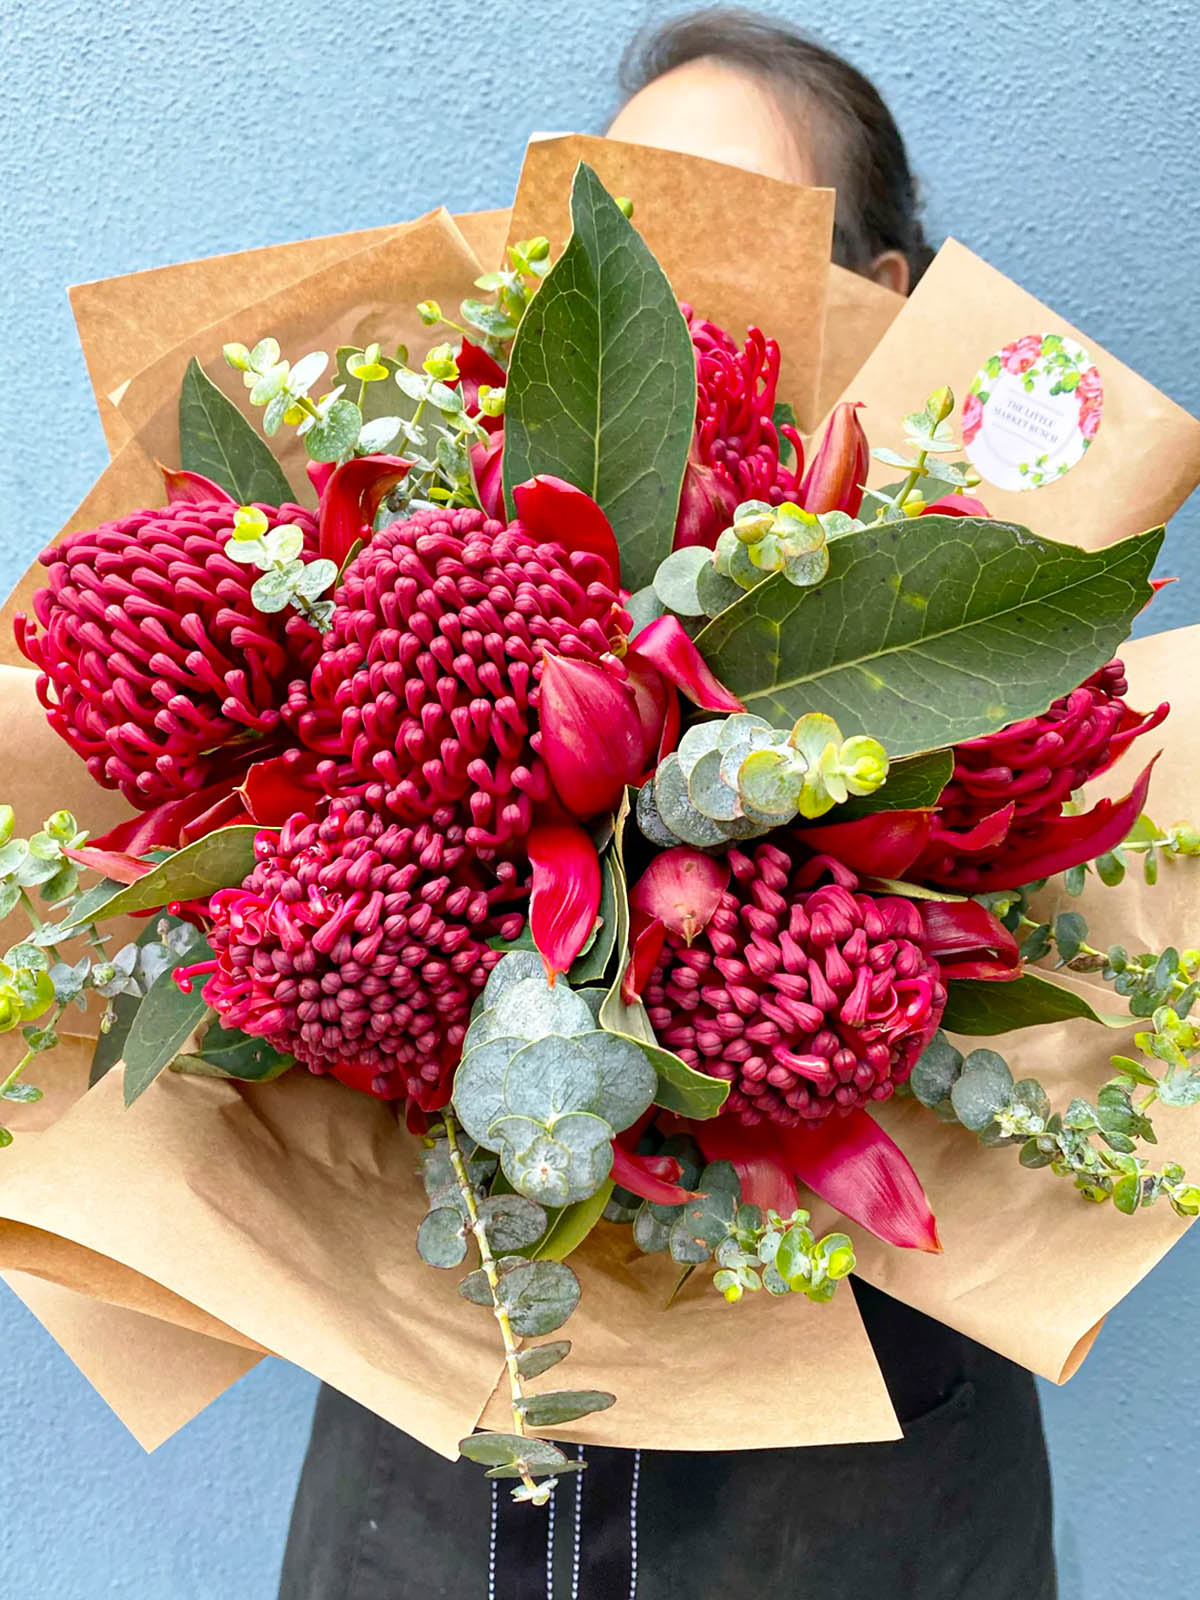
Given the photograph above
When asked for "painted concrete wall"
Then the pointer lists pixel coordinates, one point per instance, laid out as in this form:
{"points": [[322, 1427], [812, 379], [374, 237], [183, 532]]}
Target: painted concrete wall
{"points": [[1057, 139]]}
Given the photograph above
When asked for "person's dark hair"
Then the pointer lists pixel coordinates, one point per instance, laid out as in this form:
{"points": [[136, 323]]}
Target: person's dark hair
{"points": [[858, 145]]}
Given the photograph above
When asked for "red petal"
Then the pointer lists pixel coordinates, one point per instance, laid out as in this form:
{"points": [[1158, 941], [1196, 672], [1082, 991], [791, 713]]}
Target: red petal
{"points": [[643, 1176], [884, 844], [552, 509], [590, 733], [565, 892], [191, 488], [681, 888], [859, 1169], [166, 826], [1133, 725], [957, 505], [115, 864], [1067, 842], [658, 710], [475, 366], [319, 474], [351, 498], [967, 941], [647, 937], [707, 501], [666, 646], [838, 471], [487, 464], [275, 790]]}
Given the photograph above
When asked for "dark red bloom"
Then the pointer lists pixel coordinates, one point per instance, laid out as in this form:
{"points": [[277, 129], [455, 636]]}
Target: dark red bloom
{"points": [[1001, 822], [426, 693], [358, 945], [735, 455], [155, 666], [809, 1001]]}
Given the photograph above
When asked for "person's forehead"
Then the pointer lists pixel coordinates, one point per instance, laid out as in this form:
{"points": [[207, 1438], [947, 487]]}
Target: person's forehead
{"points": [[707, 109]]}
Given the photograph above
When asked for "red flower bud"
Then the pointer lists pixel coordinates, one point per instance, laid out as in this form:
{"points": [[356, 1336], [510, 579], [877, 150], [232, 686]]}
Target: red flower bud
{"points": [[957, 505], [682, 888], [707, 502], [191, 488], [591, 735], [487, 463], [835, 479]]}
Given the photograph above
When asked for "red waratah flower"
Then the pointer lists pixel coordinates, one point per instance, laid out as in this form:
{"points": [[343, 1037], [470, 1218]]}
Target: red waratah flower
{"points": [[358, 945], [1000, 821], [154, 664], [426, 691], [735, 453]]}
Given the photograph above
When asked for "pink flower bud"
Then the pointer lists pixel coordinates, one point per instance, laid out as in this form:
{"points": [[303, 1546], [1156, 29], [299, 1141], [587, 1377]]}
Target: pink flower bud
{"points": [[835, 479], [707, 502], [591, 734], [192, 488], [682, 888]]}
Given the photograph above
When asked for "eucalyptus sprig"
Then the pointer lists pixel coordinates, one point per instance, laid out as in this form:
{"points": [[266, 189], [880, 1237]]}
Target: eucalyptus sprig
{"points": [[495, 323], [286, 580], [929, 434], [330, 427], [1094, 1144]]}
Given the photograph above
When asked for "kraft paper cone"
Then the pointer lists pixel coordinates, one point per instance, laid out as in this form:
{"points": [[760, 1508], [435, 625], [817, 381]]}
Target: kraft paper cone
{"points": [[858, 313], [704, 222], [1139, 469]]}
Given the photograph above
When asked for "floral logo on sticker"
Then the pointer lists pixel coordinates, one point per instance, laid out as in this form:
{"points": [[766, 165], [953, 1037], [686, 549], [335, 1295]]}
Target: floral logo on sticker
{"points": [[1032, 411]]}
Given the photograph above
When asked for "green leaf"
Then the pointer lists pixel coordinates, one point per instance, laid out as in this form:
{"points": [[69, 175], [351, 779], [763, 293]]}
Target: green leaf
{"points": [[503, 1452], [217, 440], [230, 1053], [441, 1238], [911, 785], [110, 1046], [218, 861], [976, 1007], [984, 1088], [931, 631], [539, 1296], [164, 1020], [540, 1358], [570, 1226], [511, 1222], [564, 1405], [601, 386], [592, 965], [936, 1071], [337, 434]]}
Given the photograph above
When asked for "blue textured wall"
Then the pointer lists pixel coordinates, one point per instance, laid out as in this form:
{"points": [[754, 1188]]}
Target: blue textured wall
{"points": [[1057, 139]]}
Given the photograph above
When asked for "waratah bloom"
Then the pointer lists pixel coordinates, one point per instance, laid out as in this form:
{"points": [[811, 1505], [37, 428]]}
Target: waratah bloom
{"points": [[358, 945], [154, 664], [1000, 821], [427, 688], [809, 1001], [735, 454]]}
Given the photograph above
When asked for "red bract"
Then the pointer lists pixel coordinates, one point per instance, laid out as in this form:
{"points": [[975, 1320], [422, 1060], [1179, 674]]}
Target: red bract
{"points": [[155, 666], [808, 1001], [838, 472], [1001, 821], [735, 455], [426, 692], [358, 945]]}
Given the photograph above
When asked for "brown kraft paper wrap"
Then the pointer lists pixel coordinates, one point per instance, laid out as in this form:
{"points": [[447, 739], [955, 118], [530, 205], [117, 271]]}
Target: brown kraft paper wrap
{"points": [[281, 1217], [1142, 464]]}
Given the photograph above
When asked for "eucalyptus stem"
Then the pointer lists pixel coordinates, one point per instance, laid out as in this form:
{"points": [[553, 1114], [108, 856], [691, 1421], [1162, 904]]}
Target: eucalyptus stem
{"points": [[488, 1262], [31, 912], [914, 477], [16, 1072]]}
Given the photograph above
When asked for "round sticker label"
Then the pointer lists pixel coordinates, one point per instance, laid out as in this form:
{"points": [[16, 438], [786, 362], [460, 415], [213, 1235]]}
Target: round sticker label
{"points": [[1032, 411]]}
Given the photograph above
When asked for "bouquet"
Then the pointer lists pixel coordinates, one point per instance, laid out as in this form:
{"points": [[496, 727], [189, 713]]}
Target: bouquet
{"points": [[626, 795]]}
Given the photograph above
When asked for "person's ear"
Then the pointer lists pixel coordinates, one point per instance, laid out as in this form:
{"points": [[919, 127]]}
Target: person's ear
{"points": [[891, 270]]}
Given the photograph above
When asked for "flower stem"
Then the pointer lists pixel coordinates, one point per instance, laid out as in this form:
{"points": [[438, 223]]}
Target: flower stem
{"points": [[488, 1262], [16, 1072], [31, 912]]}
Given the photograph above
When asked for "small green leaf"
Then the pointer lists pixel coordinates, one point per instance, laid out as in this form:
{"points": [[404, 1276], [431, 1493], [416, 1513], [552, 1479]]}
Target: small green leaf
{"points": [[540, 1358], [675, 582], [216, 439], [539, 1296], [511, 1222], [977, 1007], [983, 1089], [570, 1225], [506, 1453], [441, 1238], [563, 1405], [937, 1071], [218, 861], [165, 1019]]}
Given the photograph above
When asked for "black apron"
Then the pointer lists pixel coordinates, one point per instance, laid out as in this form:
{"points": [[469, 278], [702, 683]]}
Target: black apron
{"points": [[959, 1509]]}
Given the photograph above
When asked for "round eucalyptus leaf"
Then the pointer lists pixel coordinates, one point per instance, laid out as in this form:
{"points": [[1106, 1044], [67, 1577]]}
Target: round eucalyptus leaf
{"points": [[1029, 1093], [336, 433], [698, 741], [564, 1405], [675, 582], [589, 1140], [506, 1454], [627, 1081], [512, 968], [441, 1240], [540, 1358], [770, 780], [709, 792], [983, 1089], [511, 1221], [539, 1296], [539, 1169], [715, 591], [475, 1286], [745, 727], [644, 607], [531, 1009], [936, 1073], [677, 810], [479, 1087], [650, 822], [650, 1233], [550, 1077]]}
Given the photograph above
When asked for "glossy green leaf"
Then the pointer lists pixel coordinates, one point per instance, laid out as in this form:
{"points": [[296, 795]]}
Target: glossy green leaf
{"points": [[913, 783], [230, 1053], [110, 1046], [976, 1007], [931, 631], [164, 1021], [218, 861], [218, 441], [601, 385], [570, 1226]]}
